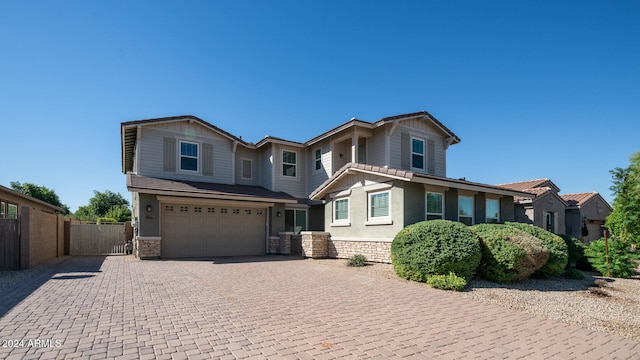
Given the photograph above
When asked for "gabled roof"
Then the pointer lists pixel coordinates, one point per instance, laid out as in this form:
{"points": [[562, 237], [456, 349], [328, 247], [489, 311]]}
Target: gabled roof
{"points": [[531, 184], [196, 189], [128, 135], [277, 140], [387, 120], [31, 198], [405, 175], [580, 199]]}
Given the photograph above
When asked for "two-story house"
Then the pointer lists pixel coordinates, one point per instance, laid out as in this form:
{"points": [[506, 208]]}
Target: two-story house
{"points": [[200, 191]]}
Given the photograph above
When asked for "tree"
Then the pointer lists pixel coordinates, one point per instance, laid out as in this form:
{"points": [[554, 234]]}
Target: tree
{"points": [[104, 204], [39, 192], [624, 221]]}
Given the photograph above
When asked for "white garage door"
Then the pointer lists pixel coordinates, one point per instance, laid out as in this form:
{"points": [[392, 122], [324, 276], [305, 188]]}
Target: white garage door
{"points": [[202, 231]]}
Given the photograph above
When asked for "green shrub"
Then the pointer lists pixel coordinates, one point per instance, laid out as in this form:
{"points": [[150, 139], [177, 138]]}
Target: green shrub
{"points": [[450, 281], [509, 254], [558, 252], [575, 249], [574, 274], [103, 220], [357, 260], [622, 263], [435, 247]]}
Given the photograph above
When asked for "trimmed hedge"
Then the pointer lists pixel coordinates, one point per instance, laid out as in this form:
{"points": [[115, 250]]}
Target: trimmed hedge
{"points": [[509, 254], [435, 247], [575, 249], [558, 252]]}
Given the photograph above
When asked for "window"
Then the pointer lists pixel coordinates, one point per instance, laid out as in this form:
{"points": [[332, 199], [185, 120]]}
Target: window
{"points": [[188, 156], [362, 150], [341, 211], [289, 163], [417, 153], [379, 205], [465, 210], [318, 156], [549, 222], [493, 211], [12, 211], [434, 206], [2, 210], [246, 168], [295, 220]]}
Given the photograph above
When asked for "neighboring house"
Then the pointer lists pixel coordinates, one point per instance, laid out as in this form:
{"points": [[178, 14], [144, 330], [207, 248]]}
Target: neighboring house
{"points": [[581, 215], [546, 210], [200, 191], [31, 232], [12, 201], [586, 215]]}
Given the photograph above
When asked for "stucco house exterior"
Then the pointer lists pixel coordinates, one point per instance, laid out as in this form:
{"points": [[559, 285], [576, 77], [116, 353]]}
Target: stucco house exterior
{"points": [[546, 210], [585, 215], [581, 215], [200, 191]]}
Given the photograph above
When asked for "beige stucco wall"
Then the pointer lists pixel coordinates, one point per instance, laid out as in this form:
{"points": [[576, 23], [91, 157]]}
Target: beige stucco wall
{"points": [[42, 237], [359, 227], [549, 202]]}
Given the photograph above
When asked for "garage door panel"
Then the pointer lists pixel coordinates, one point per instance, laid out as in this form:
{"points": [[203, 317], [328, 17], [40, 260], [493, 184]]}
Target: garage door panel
{"points": [[197, 231]]}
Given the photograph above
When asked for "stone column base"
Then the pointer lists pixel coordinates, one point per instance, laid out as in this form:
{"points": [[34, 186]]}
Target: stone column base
{"points": [[147, 247]]}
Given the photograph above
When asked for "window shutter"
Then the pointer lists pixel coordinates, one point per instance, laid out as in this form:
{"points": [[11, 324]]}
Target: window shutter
{"points": [[207, 159], [169, 149], [405, 150], [431, 156]]}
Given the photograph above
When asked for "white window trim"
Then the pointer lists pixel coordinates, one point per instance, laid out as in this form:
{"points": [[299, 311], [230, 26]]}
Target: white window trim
{"points": [[198, 158], [426, 204], [242, 160], [315, 160], [378, 220], [282, 163], [341, 222], [487, 217], [424, 152], [472, 208]]}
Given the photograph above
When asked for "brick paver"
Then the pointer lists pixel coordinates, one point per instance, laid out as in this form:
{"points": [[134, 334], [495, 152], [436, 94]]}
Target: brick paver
{"points": [[267, 308]]}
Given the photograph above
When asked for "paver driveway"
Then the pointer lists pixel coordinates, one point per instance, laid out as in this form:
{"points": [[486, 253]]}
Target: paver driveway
{"points": [[267, 307]]}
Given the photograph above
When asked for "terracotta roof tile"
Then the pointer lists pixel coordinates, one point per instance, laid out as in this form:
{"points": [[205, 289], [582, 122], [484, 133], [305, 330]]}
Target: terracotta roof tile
{"points": [[529, 184], [578, 199]]}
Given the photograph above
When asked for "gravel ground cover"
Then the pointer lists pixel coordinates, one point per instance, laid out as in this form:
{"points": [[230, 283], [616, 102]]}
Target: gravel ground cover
{"points": [[596, 303]]}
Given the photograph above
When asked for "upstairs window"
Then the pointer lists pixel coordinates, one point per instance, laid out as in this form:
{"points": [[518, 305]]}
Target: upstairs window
{"points": [[188, 156], [493, 211], [417, 153], [465, 210], [318, 158], [434, 206], [362, 150], [289, 163], [246, 168]]}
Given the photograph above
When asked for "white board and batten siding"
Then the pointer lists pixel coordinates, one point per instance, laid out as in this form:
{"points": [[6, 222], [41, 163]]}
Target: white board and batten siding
{"points": [[214, 149]]}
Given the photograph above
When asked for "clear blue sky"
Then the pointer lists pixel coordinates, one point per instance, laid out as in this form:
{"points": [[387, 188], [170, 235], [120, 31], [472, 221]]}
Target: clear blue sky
{"points": [[535, 89]]}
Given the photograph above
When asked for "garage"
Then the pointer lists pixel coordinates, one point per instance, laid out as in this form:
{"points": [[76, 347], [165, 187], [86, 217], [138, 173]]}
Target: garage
{"points": [[205, 230]]}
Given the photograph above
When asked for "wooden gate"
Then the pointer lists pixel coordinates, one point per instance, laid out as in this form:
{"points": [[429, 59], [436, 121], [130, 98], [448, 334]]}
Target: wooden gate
{"points": [[97, 239], [9, 244]]}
